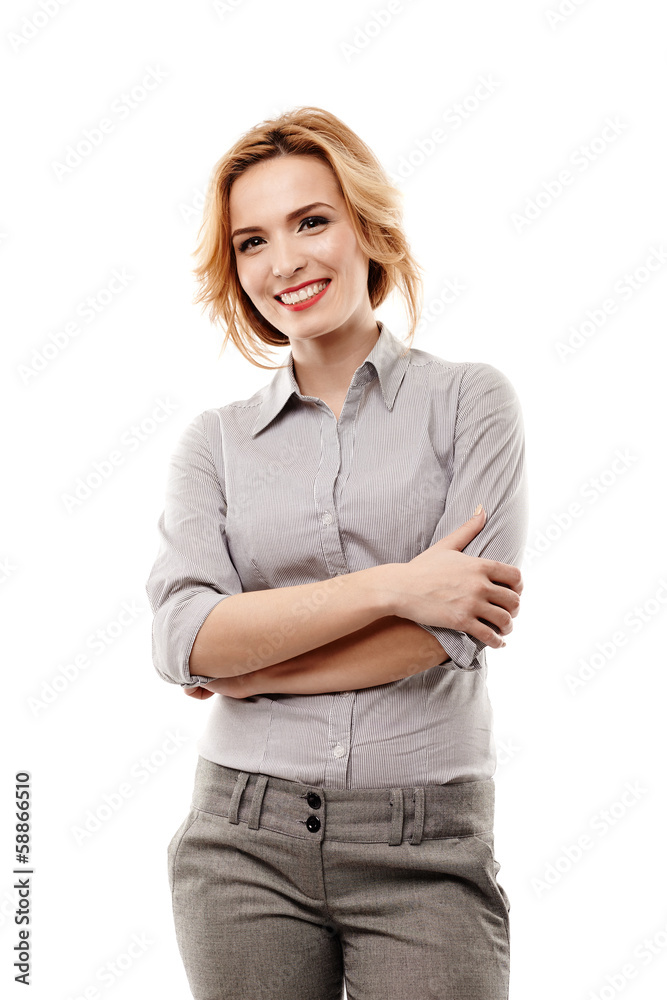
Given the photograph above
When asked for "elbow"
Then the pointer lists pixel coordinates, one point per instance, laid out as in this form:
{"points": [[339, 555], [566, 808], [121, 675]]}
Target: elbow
{"points": [[178, 657], [205, 659]]}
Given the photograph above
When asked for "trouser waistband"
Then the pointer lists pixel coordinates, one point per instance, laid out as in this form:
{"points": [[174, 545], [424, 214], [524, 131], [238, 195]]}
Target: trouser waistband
{"points": [[361, 815]]}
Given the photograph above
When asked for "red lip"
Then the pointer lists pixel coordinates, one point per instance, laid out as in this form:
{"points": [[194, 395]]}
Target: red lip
{"points": [[295, 288]]}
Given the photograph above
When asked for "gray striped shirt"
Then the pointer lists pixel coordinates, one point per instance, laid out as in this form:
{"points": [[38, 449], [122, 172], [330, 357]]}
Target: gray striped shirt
{"points": [[272, 491]]}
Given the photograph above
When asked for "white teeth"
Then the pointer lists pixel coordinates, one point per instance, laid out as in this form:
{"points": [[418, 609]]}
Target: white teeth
{"points": [[290, 298]]}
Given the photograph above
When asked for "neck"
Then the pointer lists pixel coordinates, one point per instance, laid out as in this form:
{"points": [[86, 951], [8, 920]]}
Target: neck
{"points": [[324, 366]]}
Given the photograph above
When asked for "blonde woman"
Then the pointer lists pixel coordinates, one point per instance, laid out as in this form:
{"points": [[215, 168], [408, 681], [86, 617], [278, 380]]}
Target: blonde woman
{"points": [[312, 576]]}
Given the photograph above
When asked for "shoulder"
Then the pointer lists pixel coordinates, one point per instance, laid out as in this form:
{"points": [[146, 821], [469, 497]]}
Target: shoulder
{"points": [[237, 416], [470, 379]]}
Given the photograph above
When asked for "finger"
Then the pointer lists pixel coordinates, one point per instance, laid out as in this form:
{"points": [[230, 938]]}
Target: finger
{"points": [[464, 534], [503, 574], [497, 619], [482, 630], [517, 587], [504, 597], [198, 692]]}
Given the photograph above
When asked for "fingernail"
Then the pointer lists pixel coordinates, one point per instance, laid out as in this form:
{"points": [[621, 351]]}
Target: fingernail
{"points": [[477, 510]]}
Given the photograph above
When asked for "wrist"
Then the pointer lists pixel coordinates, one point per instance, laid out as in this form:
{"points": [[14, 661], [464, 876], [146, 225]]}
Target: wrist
{"points": [[387, 586]]}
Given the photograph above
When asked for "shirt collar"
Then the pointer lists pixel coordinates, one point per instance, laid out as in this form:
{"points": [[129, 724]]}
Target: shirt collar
{"points": [[384, 359]]}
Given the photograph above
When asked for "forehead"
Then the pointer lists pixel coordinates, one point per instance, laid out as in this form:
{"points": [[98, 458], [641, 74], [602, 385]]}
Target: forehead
{"points": [[277, 186]]}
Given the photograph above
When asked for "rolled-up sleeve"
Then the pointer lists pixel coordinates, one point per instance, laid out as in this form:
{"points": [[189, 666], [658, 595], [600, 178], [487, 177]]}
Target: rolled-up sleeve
{"points": [[488, 468], [193, 571]]}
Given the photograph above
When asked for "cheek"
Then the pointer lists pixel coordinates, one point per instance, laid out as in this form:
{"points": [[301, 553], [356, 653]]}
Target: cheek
{"points": [[351, 260], [247, 278], [356, 258], [358, 269]]}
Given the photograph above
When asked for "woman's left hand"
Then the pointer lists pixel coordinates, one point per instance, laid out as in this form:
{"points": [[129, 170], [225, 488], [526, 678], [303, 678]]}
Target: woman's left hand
{"points": [[233, 687]]}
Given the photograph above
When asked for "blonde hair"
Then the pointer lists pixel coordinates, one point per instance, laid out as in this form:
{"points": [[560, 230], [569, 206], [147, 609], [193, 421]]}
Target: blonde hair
{"points": [[372, 201]]}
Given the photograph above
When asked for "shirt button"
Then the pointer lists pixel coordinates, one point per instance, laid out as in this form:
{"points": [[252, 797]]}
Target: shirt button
{"points": [[344, 694], [339, 751], [326, 517]]}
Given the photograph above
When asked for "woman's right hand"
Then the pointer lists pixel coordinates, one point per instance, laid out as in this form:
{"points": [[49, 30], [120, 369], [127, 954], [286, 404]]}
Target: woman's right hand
{"points": [[443, 586]]}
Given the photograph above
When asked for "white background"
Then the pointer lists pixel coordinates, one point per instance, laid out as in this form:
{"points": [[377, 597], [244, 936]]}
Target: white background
{"points": [[595, 580]]}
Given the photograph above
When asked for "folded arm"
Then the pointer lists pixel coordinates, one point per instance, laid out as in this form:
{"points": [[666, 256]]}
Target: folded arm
{"points": [[488, 467], [188, 581], [384, 651]]}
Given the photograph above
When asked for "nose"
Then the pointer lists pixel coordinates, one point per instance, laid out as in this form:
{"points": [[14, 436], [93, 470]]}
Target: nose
{"points": [[286, 258]]}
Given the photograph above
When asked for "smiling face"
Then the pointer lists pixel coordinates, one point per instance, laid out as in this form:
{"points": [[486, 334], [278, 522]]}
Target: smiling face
{"points": [[297, 255]]}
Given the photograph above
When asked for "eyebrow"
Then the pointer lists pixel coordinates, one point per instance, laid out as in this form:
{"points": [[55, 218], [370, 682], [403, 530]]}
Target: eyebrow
{"points": [[289, 218]]}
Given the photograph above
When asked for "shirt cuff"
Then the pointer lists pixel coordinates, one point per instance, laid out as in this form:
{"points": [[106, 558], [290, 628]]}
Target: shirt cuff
{"points": [[464, 651], [174, 638], [197, 681]]}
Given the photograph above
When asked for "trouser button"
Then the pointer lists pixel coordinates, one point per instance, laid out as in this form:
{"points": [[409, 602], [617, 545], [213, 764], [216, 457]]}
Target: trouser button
{"points": [[313, 824]]}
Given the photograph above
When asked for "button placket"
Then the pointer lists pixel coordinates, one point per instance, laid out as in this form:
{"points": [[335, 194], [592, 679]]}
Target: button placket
{"points": [[336, 443], [336, 451], [324, 495]]}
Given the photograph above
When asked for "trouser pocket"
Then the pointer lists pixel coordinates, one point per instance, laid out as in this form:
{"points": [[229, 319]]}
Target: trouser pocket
{"points": [[175, 843]]}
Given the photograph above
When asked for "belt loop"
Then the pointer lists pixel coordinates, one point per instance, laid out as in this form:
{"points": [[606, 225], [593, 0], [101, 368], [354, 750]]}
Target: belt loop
{"points": [[239, 787], [418, 827], [256, 804], [396, 831]]}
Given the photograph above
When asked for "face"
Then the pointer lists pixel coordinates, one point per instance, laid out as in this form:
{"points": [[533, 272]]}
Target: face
{"points": [[297, 256]]}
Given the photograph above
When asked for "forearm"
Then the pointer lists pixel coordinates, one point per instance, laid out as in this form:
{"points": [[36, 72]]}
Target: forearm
{"points": [[249, 631], [387, 650]]}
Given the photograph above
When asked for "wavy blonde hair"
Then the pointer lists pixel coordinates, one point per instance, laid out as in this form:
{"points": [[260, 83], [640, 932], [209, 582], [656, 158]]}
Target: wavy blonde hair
{"points": [[372, 201]]}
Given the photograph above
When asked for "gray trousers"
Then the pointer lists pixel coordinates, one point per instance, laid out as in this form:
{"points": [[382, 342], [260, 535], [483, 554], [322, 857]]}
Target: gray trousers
{"points": [[283, 891]]}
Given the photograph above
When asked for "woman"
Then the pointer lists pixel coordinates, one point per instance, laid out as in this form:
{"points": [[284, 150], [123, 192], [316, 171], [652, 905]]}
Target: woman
{"points": [[311, 573]]}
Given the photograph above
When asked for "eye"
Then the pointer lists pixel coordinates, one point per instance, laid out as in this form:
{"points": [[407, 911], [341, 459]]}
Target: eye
{"points": [[317, 220], [242, 247], [311, 222]]}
